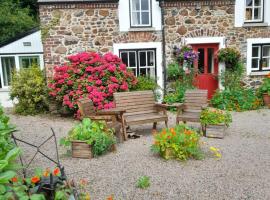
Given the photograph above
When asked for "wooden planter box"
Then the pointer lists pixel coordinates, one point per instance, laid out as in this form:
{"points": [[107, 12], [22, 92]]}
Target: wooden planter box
{"points": [[215, 131], [168, 154], [81, 149]]}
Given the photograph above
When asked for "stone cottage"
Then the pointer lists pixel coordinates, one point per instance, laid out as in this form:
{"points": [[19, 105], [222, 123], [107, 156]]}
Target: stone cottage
{"points": [[144, 32]]}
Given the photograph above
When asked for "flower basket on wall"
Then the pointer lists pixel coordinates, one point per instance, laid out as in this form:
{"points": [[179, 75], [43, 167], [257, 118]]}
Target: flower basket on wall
{"points": [[81, 149]]}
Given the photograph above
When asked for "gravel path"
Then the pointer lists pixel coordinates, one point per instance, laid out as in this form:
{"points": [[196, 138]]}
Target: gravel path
{"points": [[242, 173]]}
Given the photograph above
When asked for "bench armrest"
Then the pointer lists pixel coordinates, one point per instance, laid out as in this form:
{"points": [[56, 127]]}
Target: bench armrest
{"points": [[113, 111]]}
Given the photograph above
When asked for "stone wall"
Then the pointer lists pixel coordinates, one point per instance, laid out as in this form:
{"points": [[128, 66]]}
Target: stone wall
{"points": [[75, 27], [213, 19]]}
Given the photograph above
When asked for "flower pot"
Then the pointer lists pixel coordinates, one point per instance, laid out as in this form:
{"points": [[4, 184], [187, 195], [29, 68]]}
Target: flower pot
{"points": [[168, 154], [266, 99], [215, 131], [81, 149]]}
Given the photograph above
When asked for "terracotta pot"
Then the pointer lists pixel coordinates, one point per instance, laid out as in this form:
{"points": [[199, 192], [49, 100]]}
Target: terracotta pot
{"points": [[81, 149], [266, 99]]}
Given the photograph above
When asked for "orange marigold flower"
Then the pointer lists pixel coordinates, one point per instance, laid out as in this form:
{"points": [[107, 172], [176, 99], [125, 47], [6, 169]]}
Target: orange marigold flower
{"points": [[164, 132], [156, 143], [56, 171], [83, 182], [35, 179], [169, 137], [14, 179], [187, 132], [110, 198], [46, 173], [268, 75]]}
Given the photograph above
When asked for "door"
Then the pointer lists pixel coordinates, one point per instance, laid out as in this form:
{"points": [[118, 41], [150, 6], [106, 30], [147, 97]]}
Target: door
{"points": [[206, 67]]}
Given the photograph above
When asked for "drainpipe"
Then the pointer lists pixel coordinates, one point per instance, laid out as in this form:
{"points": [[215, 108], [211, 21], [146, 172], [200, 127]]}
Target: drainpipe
{"points": [[163, 46]]}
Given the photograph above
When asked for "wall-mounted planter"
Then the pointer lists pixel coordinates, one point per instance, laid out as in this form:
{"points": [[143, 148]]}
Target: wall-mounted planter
{"points": [[215, 131]]}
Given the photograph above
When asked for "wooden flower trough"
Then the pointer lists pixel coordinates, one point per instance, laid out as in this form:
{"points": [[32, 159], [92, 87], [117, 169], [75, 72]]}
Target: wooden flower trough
{"points": [[215, 131], [81, 149]]}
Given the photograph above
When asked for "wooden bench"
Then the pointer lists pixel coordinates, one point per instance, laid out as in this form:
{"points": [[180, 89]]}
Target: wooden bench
{"points": [[195, 101], [111, 117], [141, 108]]}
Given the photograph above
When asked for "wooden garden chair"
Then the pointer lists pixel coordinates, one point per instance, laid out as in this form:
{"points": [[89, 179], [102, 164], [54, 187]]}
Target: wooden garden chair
{"points": [[113, 117], [189, 111]]}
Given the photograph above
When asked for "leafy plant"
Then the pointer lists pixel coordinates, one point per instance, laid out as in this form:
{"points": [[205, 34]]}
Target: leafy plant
{"points": [[265, 87], [29, 88], [143, 182], [145, 83], [180, 142], [230, 56], [94, 133], [174, 71], [236, 100], [93, 75], [215, 116]]}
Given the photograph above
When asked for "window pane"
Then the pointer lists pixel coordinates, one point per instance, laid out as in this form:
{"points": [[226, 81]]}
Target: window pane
{"points": [[135, 5], [136, 18], [257, 13], [210, 63], [145, 4], [142, 72], [248, 2], [28, 61], [142, 57], [151, 72], [145, 18], [255, 63], [124, 56], [266, 51], [8, 65], [132, 59], [258, 2], [201, 61], [255, 52], [266, 63], [249, 14], [150, 58]]}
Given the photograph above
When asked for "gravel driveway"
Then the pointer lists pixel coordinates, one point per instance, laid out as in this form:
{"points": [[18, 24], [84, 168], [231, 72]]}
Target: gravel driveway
{"points": [[242, 173]]}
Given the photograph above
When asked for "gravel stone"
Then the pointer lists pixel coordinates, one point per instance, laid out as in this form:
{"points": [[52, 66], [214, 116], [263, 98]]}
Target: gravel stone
{"points": [[243, 172]]}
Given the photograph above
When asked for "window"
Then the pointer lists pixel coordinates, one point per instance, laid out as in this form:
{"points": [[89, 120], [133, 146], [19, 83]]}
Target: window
{"points": [[140, 13], [142, 62], [260, 57], [27, 61], [8, 65], [254, 11]]}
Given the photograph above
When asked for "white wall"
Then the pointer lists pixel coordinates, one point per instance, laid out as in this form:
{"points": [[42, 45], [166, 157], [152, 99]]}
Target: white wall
{"points": [[124, 16], [240, 12], [145, 45]]}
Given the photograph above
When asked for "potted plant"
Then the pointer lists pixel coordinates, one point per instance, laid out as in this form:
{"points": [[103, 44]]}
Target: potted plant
{"points": [[89, 139], [230, 56], [180, 142], [214, 122], [265, 90]]}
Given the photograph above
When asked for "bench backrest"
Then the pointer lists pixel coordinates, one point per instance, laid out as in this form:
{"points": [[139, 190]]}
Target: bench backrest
{"points": [[86, 107], [135, 102], [195, 99]]}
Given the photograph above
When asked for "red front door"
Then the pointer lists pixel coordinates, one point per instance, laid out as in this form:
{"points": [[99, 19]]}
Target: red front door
{"points": [[206, 67]]}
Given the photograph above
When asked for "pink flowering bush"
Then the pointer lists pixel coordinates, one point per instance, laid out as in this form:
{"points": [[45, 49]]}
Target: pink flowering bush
{"points": [[93, 75]]}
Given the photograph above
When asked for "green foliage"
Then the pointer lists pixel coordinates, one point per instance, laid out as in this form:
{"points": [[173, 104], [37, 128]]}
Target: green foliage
{"points": [[265, 87], [93, 133], [145, 83], [174, 71], [28, 86], [230, 56], [177, 96], [15, 18], [143, 182], [180, 143], [236, 100], [215, 116]]}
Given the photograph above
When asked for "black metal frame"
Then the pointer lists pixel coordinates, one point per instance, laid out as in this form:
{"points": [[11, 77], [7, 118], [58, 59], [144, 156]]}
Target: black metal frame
{"points": [[261, 55]]}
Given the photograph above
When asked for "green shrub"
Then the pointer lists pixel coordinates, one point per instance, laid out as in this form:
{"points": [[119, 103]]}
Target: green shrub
{"points": [[230, 56], [236, 100], [143, 182], [215, 116], [28, 87], [174, 71], [265, 87], [145, 83]]}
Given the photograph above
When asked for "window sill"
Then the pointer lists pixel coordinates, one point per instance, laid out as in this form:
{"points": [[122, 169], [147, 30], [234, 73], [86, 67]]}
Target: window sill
{"points": [[255, 24], [259, 73], [4, 89], [141, 29]]}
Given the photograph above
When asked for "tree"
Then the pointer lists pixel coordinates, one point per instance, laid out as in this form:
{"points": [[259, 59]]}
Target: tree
{"points": [[15, 18]]}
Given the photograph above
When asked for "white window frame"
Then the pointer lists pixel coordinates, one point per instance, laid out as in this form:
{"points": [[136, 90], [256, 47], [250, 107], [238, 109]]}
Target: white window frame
{"points": [[253, 7], [266, 57], [258, 58], [132, 24], [130, 51], [29, 57], [146, 66]]}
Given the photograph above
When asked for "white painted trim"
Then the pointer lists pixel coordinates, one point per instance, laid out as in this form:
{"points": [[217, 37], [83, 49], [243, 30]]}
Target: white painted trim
{"points": [[145, 45], [250, 42], [211, 40]]}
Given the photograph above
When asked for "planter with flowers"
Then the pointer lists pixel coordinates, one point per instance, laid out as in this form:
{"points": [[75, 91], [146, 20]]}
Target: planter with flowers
{"points": [[215, 122], [89, 139], [180, 142], [265, 90]]}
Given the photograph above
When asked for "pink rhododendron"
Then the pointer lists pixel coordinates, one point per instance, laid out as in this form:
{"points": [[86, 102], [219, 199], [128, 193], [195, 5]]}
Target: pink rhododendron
{"points": [[89, 74]]}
